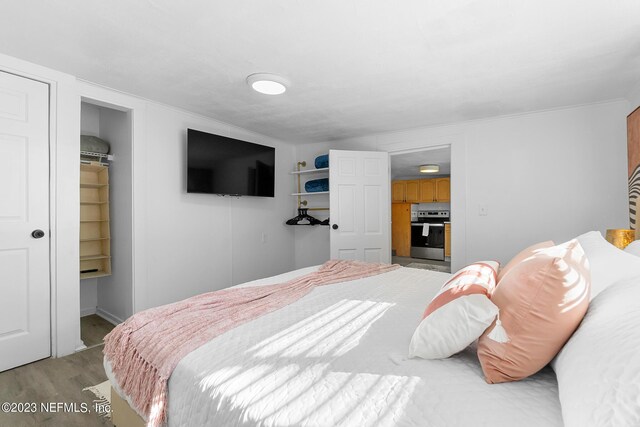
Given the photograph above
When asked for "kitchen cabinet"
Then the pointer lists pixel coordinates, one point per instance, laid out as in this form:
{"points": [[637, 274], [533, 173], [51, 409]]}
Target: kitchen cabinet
{"points": [[401, 229], [412, 191], [421, 190], [406, 191], [435, 190], [427, 190], [447, 240], [398, 190], [443, 190]]}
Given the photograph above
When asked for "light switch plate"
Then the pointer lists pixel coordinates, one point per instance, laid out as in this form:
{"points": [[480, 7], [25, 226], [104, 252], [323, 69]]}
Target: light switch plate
{"points": [[483, 209]]}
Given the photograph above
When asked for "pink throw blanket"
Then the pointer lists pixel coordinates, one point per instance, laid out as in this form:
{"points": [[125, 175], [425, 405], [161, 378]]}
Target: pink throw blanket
{"points": [[144, 350]]}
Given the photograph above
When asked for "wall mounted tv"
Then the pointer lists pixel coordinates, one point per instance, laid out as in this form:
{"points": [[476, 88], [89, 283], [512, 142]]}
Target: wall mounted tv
{"points": [[220, 165]]}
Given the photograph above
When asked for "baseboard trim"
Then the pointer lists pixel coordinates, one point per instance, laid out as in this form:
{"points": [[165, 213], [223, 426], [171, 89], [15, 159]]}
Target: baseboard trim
{"points": [[87, 311], [108, 316]]}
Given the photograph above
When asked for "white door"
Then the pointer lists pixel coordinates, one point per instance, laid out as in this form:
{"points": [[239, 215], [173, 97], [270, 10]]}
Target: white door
{"points": [[24, 208], [360, 202]]}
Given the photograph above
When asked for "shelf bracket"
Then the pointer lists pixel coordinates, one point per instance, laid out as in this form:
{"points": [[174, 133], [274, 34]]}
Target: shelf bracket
{"points": [[301, 202]]}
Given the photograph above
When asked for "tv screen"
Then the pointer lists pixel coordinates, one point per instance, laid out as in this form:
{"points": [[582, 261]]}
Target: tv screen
{"points": [[220, 165]]}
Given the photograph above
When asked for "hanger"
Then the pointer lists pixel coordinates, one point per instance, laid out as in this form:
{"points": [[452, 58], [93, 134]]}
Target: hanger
{"points": [[303, 218]]}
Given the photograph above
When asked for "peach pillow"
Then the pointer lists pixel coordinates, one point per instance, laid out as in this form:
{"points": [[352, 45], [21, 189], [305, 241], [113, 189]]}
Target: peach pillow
{"points": [[542, 301], [522, 255]]}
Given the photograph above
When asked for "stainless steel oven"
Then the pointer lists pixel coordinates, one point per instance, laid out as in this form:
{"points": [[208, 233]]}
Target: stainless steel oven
{"points": [[427, 235]]}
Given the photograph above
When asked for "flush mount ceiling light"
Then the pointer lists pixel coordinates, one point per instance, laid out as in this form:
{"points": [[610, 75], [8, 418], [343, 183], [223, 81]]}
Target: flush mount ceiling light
{"points": [[268, 84], [429, 169]]}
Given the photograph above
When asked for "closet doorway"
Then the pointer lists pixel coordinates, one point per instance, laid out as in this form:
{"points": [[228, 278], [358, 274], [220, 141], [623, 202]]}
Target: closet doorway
{"points": [[106, 300]]}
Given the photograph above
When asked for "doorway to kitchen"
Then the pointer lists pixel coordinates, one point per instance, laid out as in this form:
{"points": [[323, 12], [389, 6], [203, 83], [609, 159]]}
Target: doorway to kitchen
{"points": [[421, 217]]}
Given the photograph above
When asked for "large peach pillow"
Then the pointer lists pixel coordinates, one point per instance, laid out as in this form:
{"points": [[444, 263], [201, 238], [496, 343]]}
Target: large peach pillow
{"points": [[522, 255], [542, 300]]}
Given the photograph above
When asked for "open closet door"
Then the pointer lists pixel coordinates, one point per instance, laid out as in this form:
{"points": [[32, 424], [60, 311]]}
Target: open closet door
{"points": [[360, 204], [24, 221]]}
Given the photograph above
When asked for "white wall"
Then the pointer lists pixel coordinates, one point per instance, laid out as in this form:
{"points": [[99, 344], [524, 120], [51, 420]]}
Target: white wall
{"points": [[634, 98], [201, 242], [186, 244], [543, 175]]}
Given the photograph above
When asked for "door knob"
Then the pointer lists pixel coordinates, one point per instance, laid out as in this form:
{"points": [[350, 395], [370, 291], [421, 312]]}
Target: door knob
{"points": [[37, 234], [334, 226]]}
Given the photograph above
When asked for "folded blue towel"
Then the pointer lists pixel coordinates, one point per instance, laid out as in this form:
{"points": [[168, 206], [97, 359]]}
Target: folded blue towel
{"points": [[316, 185], [322, 161]]}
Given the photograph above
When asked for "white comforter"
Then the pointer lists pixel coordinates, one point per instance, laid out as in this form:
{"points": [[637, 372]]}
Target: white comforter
{"points": [[338, 357]]}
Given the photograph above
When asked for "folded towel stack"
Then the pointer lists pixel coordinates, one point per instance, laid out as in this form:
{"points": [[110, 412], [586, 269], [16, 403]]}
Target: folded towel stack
{"points": [[316, 185], [322, 161]]}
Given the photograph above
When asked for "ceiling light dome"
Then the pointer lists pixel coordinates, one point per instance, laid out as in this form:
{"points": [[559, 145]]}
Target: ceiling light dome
{"points": [[429, 169], [268, 84]]}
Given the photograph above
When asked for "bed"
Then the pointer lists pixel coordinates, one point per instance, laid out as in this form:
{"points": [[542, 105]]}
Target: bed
{"points": [[338, 356]]}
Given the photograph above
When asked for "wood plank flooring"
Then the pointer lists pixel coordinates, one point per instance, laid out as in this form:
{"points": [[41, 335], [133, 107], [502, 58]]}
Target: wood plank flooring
{"points": [[93, 328], [53, 381]]}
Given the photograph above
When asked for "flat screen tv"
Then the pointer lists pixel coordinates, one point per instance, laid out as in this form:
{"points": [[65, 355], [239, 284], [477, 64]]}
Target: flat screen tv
{"points": [[220, 165]]}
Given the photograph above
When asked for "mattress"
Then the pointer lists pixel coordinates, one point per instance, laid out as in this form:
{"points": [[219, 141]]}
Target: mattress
{"points": [[338, 357]]}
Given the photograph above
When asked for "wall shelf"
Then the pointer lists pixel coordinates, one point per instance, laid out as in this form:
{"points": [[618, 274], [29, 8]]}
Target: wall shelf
{"points": [[302, 209], [95, 234], [87, 185], [91, 257], [303, 172], [310, 194], [94, 274]]}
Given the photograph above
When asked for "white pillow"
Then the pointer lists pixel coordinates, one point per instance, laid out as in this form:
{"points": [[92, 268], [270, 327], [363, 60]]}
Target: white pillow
{"points": [[459, 314], [633, 248], [608, 263], [598, 369]]}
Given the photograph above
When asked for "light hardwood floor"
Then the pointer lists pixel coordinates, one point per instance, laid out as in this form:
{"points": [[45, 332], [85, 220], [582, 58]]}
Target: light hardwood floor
{"points": [[93, 328], [53, 381]]}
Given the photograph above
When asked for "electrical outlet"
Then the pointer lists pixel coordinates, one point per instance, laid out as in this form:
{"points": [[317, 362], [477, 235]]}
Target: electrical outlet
{"points": [[263, 237], [483, 209]]}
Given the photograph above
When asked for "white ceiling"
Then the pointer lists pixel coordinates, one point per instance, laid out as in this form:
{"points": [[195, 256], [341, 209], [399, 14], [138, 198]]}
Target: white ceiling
{"points": [[406, 165], [356, 66]]}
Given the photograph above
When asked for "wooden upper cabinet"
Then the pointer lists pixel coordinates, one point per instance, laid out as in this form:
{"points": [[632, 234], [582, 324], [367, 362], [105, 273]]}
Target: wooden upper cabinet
{"points": [[427, 190], [443, 189], [398, 190], [421, 190], [412, 192]]}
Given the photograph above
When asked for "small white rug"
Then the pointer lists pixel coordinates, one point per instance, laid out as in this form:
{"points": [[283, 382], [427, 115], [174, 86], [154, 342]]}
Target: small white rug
{"points": [[434, 267], [102, 403]]}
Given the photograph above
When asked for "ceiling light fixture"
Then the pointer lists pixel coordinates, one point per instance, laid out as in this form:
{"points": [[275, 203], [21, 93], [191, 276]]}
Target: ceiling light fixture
{"points": [[429, 169], [268, 84]]}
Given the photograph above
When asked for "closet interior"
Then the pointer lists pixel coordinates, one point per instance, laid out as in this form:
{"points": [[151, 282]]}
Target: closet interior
{"points": [[106, 219]]}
